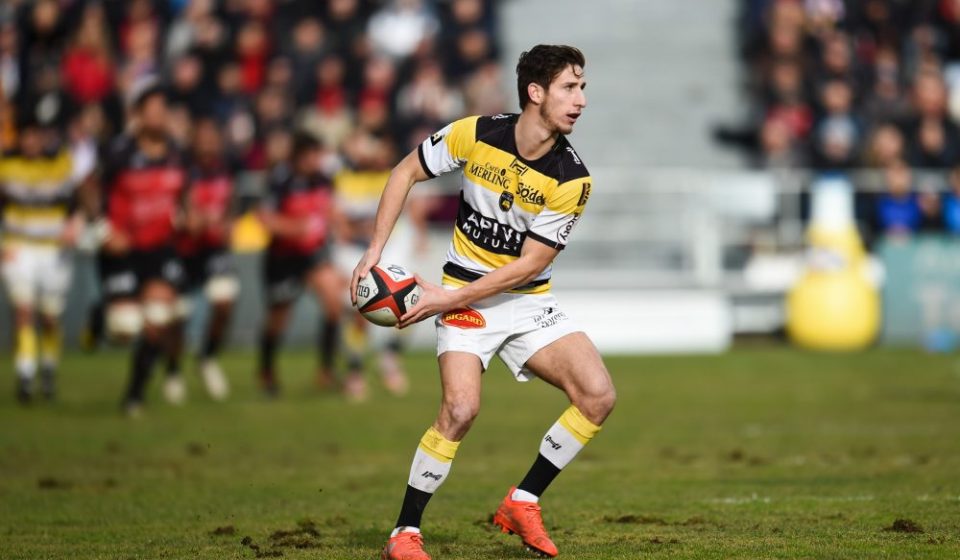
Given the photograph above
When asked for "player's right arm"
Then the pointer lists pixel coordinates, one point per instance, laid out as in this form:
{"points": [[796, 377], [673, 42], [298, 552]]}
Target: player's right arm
{"points": [[441, 153]]}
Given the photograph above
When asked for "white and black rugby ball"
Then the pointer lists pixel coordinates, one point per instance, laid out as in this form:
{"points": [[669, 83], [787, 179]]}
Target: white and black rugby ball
{"points": [[386, 293]]}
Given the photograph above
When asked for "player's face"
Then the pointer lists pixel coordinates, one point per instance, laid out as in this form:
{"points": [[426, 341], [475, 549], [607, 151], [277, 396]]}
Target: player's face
{"points": [[564, 100], [31, 142], [153, 114], [207, 141]]}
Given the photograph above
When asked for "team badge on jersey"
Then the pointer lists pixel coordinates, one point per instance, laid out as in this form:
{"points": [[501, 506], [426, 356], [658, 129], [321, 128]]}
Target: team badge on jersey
{"points": [[506, 201]]}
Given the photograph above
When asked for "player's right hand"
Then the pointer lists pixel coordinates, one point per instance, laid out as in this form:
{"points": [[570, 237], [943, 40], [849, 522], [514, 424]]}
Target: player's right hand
{"points": [[370, 258], [116, 242]]}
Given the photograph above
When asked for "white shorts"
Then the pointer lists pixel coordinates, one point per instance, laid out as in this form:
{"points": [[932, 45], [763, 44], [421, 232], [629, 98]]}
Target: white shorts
{"points": [[512, 326], [36, 274]]}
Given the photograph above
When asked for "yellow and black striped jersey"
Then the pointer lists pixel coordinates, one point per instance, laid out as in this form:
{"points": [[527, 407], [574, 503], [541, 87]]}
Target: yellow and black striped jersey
{"points": [[37, 193], [504, 198]]}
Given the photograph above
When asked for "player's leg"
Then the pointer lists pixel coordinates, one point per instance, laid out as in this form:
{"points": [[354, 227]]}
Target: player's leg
{"points": [[283, 280], [221, 290], [460, 375], [158, 299], [174, 386], [328, 287], [53, 284], [19, 280], [572, 364], [275, 322]]}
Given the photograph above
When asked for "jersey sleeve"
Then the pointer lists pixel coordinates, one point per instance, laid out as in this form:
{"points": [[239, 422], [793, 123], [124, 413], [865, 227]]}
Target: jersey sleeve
{"points": [[560, 215], [449, 148]]}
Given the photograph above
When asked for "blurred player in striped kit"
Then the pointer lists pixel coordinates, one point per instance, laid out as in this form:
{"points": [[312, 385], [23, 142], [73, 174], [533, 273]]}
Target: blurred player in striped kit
{"points": [[40, 226], [358, 193]]}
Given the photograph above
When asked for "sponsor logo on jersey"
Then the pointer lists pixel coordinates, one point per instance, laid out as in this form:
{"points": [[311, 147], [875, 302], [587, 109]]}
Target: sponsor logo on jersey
{"points": [[506, 201], [436, 138], [465, 318], [496, 176], [574, 155], [518, 167], [531, 195], [584, 194], [487, 233], [564, 232], [500, 116]]}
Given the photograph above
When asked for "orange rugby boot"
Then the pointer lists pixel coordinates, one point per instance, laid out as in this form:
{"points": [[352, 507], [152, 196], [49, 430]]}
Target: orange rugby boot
{"points": [[523, 519], [405, 546]]}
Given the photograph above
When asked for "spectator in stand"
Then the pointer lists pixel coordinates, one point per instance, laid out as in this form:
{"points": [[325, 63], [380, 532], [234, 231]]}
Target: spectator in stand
{"points": [[951, 203], [898, 212], [88, 68], [885, 146], [837, 135], [398, 28]]}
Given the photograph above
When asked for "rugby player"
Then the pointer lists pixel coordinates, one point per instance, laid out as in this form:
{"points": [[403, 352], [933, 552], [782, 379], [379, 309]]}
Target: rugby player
{"points": [[38, 186], [203, 248], [524, 188], [297, 212], [142, 183]]}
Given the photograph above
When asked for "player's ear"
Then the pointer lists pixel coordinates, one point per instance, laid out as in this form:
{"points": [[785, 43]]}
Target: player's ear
{"points": [[535, 92]]}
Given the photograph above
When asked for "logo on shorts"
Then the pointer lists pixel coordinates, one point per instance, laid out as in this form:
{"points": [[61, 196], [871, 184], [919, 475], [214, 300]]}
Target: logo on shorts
{"points": [[549, 317], [466, 318]]}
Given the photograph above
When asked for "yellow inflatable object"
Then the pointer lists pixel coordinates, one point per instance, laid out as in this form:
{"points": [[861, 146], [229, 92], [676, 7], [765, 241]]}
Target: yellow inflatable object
{"points": [[249, 235], [834, 306]]}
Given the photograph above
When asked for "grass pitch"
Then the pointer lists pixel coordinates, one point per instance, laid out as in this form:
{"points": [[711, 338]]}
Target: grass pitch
{"points": [[759, 453]]}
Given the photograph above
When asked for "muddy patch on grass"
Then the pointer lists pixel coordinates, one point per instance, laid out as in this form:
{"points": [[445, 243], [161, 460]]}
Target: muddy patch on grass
{"points": [[53, 483], [631, 519], [225, 530], [195, 449], [258, 551], [904, 526]]}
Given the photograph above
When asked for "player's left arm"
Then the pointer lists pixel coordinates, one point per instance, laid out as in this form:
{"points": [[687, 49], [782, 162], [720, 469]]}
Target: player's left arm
{"points": [[534, 258]]}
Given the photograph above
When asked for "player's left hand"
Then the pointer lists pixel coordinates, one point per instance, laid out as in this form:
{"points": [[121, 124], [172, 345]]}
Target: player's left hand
{"points": [[433, 300]]}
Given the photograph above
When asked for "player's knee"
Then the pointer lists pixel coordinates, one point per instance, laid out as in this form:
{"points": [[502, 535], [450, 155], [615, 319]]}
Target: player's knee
{"points": [[222, 289], [124, 322], [158, 313], [182, 308], [52, 304], [461, 414], [598, 402]]}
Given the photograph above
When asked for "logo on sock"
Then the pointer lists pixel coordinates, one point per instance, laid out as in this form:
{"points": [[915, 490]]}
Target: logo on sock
{"points": [[428, 474], [552, 443]]}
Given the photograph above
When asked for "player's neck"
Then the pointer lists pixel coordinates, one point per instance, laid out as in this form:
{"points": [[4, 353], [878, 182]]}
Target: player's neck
{"points": [[534, 139], [153, 145]]}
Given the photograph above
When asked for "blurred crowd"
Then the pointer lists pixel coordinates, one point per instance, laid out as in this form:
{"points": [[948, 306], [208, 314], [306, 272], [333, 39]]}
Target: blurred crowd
{"points": [[368, 78], [279, 110], [839, 85]]}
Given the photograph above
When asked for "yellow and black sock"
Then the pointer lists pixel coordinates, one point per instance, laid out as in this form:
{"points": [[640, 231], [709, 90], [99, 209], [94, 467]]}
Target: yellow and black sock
{"points": [[431, 465], [26, 354], [562, 442]]}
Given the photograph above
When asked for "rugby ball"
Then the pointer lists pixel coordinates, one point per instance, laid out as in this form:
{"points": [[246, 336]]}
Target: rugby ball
{"points": [[386, 293]]}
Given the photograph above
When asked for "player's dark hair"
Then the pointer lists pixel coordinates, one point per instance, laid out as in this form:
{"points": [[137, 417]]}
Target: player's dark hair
{"points": [[304, 142], [541, 64]]}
